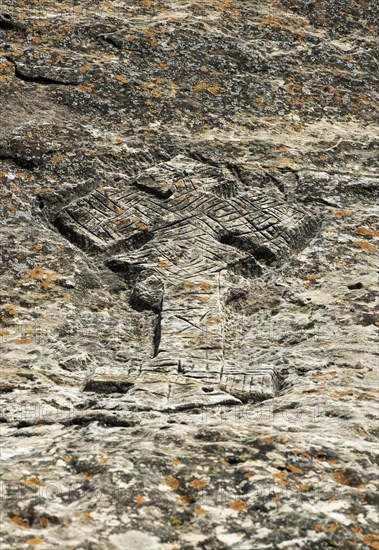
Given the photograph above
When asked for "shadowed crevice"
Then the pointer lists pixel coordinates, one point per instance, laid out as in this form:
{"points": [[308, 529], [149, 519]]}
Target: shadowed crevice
{"points": [[37, 79]]}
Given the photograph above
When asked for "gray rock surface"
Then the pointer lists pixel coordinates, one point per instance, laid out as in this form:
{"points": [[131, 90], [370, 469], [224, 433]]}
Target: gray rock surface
{"points": [[189, 252]]}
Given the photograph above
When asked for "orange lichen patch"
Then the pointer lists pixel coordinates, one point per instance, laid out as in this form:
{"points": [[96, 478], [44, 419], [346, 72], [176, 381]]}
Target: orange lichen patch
{"points": [[39, 273], [299, 452], [4, 332], [17, 53], [67, 458], [281, 478], [139, 499], [86, 475], [131, 37], [189, 286], [106, 5], [330, 528], [66, 297], [46, 284], [238, 506], [176, 461], [5, 68], [87, 516], [312, 277], [118, 141], [204, 298], [372, 540], [322, 458], [305, 487], [294, 469], [22, 341], [103, 459], [364, 245], [183, 198], [340, 214], [143, 226], [163, 264], [200, 511], [213, 321], [272, 21], [172, 482], [342, 477], [36, 541], [249, 475], [180, 183], [11, 310], [207, 287], [367, 231], [361, 432], [296, 101], [57, 159], [185, 499], [121, 79], [210, 88], [84, 68], [198, 484], [84, 89], [226, 6], [33, 482], [293, 88], [19, 521]]}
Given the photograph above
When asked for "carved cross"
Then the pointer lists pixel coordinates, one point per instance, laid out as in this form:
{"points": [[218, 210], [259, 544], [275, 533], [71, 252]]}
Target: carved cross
{"points": [[178, 229]]}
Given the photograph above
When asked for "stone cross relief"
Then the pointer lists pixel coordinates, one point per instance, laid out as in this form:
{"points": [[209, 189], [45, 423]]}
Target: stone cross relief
{"points": [[176, 230]]}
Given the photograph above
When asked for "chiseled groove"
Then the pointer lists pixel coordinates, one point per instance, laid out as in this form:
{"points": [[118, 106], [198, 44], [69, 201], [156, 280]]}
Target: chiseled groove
{"points": [[81, 225]]}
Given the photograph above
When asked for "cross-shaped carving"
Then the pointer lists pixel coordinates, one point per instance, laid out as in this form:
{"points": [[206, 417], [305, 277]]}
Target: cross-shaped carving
{"points": [[179, 227]]}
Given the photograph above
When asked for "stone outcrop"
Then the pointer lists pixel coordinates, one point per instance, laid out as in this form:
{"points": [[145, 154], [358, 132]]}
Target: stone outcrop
{"points": [[188, 322]]}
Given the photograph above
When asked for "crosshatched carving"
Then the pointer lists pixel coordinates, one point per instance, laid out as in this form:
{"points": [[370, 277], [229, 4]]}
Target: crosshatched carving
{"points": [[176, 230]]}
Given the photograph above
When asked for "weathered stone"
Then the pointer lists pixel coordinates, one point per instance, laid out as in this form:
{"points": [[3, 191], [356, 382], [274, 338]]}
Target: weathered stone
{"points": [[202, 376]]}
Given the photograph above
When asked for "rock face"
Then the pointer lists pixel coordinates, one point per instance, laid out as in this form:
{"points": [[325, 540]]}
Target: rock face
{"points": [[188, 287]]}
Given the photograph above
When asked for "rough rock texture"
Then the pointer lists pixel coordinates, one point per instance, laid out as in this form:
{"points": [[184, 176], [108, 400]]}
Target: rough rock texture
{"points": [[189, 247]]}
